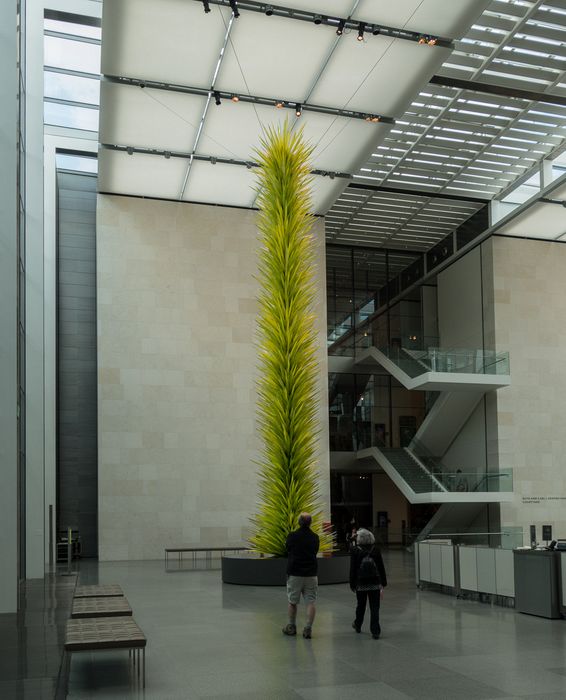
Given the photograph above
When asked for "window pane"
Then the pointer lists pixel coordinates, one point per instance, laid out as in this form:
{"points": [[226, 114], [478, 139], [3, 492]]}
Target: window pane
{"points": [[72, 28], [73, 117], [75, 55], [70, 87], [81, 163]]}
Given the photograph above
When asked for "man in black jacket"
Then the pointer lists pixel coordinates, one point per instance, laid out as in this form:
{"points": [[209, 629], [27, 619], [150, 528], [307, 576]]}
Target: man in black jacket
{"points": [[302, 548]]}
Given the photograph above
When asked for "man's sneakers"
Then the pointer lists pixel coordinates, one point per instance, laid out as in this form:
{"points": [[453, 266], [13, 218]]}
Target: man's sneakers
{"points": [[356, 627], [290, 630], [307, 633]]}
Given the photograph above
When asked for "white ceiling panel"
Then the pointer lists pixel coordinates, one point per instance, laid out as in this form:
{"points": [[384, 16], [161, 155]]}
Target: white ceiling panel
{"points": [[559, 193], [379, 75], [232, 185], [273, 56], [331, 8], [324, 192], [234, 131], [164, 120], [445, 18], [546, 221], [143, 175], [169, 40]]}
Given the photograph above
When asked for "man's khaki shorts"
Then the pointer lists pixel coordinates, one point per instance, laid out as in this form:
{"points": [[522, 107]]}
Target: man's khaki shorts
{"points": [[307, 585]]}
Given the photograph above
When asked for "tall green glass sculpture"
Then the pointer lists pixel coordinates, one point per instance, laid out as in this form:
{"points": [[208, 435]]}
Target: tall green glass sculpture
{"points": [[287, 393]]}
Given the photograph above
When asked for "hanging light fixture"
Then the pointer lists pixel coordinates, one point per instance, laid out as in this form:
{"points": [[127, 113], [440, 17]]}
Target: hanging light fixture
{"points": [[298, 109], [340, 28], [361, 30]]}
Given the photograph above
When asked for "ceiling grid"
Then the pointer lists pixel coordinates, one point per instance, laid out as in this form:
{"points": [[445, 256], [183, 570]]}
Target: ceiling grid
{"points": [[463, 141], [377, 76]]}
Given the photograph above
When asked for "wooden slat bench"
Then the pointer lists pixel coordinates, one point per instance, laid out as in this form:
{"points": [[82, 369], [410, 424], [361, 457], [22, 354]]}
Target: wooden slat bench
{"points": [[104, 590], [98, 633], [115, 606], [195, 551]]}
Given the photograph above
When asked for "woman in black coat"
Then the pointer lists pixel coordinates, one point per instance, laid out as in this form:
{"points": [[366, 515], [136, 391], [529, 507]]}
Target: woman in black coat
{"points": [[367, 580]]}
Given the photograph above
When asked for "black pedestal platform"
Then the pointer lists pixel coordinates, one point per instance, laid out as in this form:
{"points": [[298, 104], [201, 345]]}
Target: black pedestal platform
{"points": [[253, 570]]}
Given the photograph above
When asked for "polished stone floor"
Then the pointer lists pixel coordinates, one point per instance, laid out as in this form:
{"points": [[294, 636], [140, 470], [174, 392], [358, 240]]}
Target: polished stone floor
{"points": [[208, 640], [31, 641]]}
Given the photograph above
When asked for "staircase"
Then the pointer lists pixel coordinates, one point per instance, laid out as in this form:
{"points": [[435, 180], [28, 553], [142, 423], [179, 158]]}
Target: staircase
{"points": [[414, 473]]}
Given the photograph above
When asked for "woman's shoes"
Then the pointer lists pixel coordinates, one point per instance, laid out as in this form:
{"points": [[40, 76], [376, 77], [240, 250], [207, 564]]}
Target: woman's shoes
{"points": [[356, 627]]}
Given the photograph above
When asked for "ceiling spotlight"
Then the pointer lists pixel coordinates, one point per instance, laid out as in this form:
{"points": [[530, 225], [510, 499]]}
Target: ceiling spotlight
{"points": [[269, 10], [212, 160], [298, 109], [249, 165], [206, 6], [317, 19], [332, 175], [432, 41], [423, 40], [376, 30], [167, 154], [279, 104], [361, 30], [368, 117], [130, 151], [217, 97], [235, 98], [234, 6], [340, 29], [375, 119]]}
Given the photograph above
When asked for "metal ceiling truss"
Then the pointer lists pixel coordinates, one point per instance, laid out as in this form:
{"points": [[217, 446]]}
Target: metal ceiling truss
{"points": [[337, 23], [250, 99], [213, 160]]}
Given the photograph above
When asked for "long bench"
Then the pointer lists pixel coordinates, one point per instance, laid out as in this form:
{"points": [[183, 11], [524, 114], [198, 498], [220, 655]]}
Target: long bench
{"points": [[196, 550], [102, 633], [116, 606], [102, 590]]}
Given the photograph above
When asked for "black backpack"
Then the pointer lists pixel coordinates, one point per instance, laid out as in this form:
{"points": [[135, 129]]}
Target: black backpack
{"points": [[368, 573]]}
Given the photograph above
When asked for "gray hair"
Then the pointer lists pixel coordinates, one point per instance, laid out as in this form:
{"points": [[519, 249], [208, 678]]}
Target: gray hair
{"points": [[364, 537], [305, 519]]}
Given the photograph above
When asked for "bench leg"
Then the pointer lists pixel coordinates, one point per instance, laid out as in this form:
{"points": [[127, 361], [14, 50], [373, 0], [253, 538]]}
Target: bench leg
{"points": [[143, 662]]}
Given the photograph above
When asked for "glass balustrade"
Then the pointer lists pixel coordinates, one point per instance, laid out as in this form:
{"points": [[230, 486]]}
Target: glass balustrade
{"points": [[464, 361]]}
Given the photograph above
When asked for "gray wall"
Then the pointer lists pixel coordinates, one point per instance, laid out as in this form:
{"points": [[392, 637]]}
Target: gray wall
{"points": [[76, 358], [8, 310]]}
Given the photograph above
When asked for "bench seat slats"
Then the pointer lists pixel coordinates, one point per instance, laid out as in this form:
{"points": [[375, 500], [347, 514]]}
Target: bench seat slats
{"points": [[100, 607], [90, 634]]}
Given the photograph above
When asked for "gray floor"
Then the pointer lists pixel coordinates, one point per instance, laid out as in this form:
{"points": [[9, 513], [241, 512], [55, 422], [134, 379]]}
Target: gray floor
{"points": [[208, 640]]}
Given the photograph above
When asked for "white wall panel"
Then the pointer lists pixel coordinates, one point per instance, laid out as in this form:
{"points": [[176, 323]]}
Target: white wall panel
{"points": [[485, 558], [468, 568], [504, 572]]}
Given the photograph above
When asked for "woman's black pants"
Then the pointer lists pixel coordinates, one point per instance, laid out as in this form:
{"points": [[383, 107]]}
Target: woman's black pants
{"points": [[373, 597]]}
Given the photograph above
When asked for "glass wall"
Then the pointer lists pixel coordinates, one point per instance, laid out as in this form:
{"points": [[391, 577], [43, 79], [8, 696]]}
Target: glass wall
{"points": [[372, 410], [365, 300]]}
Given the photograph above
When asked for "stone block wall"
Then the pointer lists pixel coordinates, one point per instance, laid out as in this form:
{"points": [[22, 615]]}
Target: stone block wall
{"points": [[176, 371]]}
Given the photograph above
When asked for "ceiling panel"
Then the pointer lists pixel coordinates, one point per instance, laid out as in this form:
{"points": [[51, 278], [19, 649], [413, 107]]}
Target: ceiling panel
{"points": [[282, 71], [140, 174], [387, 79], [165, 120], [167, 40], [445, 18], [221, 184], [545, 221]]}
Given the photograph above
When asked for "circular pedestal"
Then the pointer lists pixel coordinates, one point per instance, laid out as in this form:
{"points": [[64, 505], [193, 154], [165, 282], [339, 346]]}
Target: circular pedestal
{"points": [[253, 570]]}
